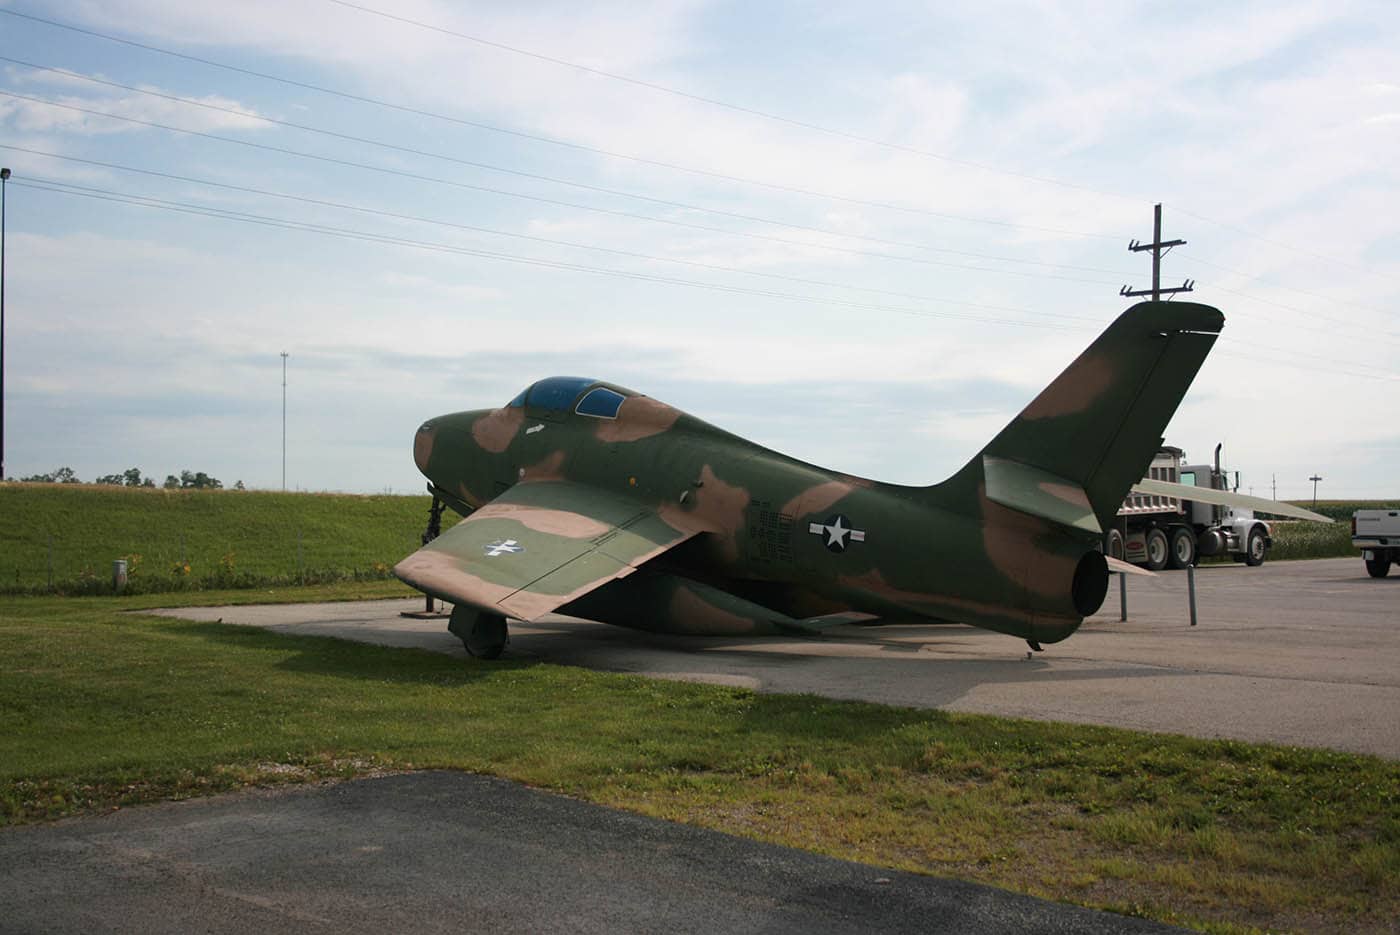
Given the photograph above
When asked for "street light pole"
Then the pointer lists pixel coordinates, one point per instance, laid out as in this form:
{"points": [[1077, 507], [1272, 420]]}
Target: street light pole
{"points": [[4, 178], [284, 420]]}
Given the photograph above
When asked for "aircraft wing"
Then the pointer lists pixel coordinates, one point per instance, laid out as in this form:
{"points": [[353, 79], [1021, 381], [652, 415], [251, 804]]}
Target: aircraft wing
{"points": [[1226, 498], [539, 546]]}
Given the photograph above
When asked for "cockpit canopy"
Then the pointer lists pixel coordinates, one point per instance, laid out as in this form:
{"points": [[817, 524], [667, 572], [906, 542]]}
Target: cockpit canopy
{"points": [[583, 395]]}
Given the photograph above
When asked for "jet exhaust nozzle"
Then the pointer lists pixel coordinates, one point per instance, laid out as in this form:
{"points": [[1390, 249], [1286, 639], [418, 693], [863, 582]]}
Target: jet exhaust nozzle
{"points": [[1090, 584]]}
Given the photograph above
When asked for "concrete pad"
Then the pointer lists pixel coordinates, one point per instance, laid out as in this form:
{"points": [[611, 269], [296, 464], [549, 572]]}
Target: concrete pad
{"points": [[1304, 653]]}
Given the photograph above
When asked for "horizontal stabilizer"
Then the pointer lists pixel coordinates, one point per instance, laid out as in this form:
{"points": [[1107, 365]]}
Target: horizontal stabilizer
{"points": [[1126, 568], [1039, 493], [1162, 488]]}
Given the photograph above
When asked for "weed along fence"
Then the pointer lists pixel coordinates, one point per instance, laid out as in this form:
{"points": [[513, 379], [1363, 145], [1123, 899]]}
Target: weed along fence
{"points": [[67, 538]]}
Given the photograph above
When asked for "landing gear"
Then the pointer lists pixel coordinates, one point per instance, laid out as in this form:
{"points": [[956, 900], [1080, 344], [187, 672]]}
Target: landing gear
{"points": [[484, 635], [432, 532]]}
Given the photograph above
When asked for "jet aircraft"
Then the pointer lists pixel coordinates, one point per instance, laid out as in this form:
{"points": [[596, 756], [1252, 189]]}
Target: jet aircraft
{"points": [[589, 499]]}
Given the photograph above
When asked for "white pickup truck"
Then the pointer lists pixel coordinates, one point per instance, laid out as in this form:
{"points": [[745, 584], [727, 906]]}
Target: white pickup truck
{"points": [[1377, 534]]}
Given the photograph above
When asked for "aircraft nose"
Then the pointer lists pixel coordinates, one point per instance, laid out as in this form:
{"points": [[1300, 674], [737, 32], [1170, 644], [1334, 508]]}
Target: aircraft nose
{"points": [[423, 445]]}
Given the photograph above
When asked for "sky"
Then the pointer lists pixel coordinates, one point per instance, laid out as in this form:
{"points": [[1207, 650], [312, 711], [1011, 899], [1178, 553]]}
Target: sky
{"points": [[865, 235]]}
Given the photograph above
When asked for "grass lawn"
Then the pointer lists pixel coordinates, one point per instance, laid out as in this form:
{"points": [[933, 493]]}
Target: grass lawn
{"points": [[104, 709], [65, 537]]}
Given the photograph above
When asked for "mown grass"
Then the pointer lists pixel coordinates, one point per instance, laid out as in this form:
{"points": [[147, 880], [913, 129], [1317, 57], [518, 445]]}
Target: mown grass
{"points": [[63, 538], [104, 709]]}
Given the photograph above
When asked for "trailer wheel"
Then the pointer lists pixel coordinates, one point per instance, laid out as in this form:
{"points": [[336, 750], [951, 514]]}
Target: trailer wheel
{"points": [[1115, 544], [1254, 548], [1183, 547], [1157, 549], [1378, 567]]}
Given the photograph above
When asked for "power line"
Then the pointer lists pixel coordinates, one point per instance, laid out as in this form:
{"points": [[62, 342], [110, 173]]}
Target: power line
{"points": [[659, 163], [496, 232], [487, 166], [320, 202], [371, 237], [790, 121], [715, 267], [1364, 331], [349, 163], [715, 102], [1274, 243], [1273, 285], [540, 138]]}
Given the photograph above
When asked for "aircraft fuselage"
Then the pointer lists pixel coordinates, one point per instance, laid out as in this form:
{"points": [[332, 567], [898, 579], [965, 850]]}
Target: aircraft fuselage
{"points": [[781, 541]]}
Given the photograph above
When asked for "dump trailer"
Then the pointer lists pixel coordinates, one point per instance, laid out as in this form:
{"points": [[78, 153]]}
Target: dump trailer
{"points": [[1377, 534], [1157, 531]]}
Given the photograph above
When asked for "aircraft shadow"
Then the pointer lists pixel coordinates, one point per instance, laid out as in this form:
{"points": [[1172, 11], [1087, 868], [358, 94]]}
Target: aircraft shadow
{"points": [[338, 657]]}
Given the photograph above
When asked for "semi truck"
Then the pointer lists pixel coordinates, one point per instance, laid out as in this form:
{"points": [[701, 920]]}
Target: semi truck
{"points": [[1377, 534], [1159, 531]]}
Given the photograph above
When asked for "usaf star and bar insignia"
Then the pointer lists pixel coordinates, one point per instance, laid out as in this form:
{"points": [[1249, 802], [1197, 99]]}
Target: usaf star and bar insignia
{"points": [[837, 533]]}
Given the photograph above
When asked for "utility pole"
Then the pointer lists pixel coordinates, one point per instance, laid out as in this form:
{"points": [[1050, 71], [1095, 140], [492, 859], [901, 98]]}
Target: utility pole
{"points": [[284, 420], [4, 178], [1274, 478], [1159, 250], [1315, 478]]}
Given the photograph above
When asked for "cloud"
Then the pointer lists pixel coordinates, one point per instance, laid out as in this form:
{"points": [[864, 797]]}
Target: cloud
{"points": [[67, 113]]}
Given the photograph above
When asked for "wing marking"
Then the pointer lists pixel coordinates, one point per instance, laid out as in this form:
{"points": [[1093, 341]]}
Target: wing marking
{"points": [[569, 539]]}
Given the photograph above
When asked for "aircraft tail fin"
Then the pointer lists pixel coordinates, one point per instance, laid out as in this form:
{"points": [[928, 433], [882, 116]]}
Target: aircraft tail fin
{"points": [[1073, 453]]}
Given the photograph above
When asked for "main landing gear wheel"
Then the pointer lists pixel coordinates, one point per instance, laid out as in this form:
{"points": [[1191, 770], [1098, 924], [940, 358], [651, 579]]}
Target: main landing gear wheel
{"points": [[1157, 549], [1377, 567], [1183, 547], [484, 635]]}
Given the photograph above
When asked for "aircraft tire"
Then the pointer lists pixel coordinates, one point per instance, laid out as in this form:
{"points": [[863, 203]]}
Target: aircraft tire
{"points": [[1377, 567], [1183, 547], [1157, 549], [1254, 549]]}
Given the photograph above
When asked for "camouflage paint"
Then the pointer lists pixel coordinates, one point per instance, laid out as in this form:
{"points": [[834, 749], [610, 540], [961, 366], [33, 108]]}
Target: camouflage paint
{"points": [[738, 539]]}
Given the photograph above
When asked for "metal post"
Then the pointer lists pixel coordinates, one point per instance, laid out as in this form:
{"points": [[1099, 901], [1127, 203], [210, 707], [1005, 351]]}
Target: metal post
{"points": [[4, 179], [1122, 596], [284, 420], [1191, 590]]}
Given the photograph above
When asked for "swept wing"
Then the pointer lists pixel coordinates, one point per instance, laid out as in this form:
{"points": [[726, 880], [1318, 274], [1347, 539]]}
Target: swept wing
{"points": [[538, 546]]}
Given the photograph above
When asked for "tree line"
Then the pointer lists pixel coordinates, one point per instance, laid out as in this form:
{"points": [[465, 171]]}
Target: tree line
{"points": [[132, 477]]}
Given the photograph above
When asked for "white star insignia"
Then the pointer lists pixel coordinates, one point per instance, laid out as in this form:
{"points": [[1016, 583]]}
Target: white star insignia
{"points": [[835, 532]]}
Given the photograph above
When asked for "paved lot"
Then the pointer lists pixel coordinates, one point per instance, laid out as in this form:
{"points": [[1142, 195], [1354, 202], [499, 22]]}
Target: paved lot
{"points": [[1303, 653], [450, 852]]}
